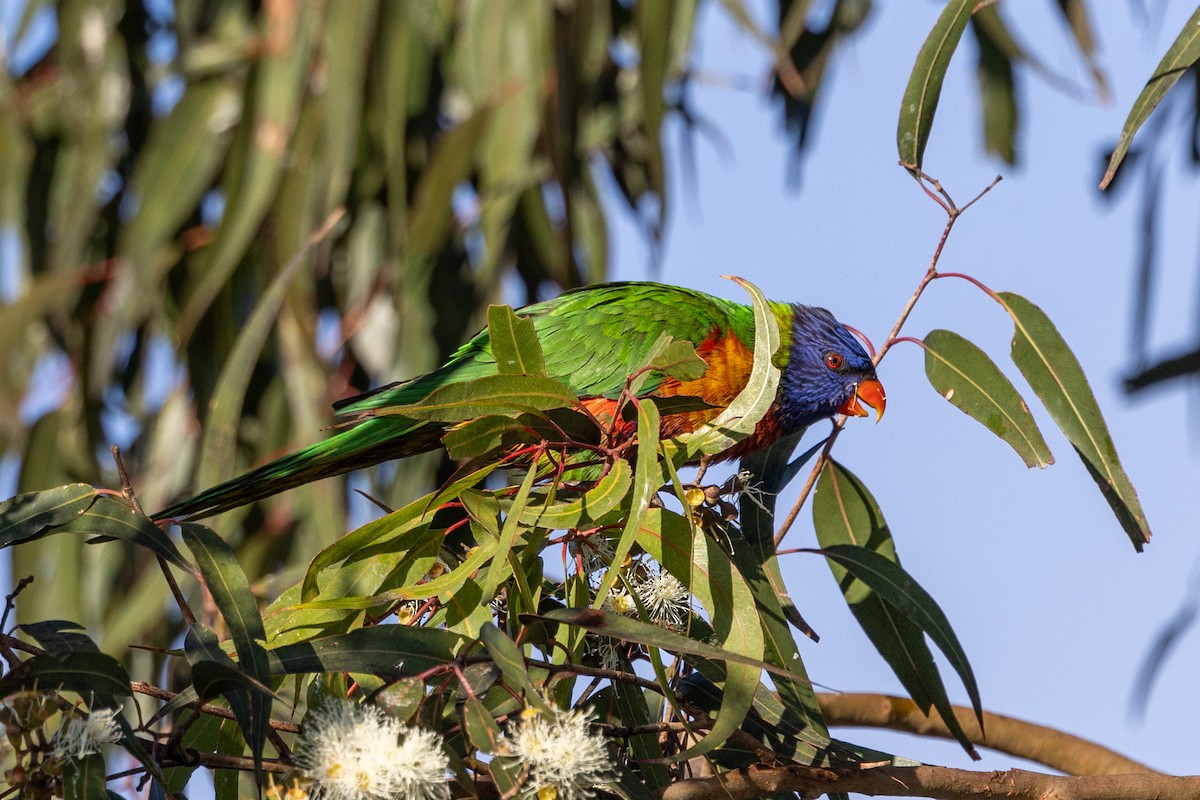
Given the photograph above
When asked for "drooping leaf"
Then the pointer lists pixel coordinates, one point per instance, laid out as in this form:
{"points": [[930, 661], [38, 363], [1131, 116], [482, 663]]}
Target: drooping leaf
{"points": [[845, 513], [108, 518], [28, 516], [924, 87], [203, 650], [646, 482], [231, 593], [897, 588], [743, 413], [963, 374], [491, 394], [595, 503], [514, 343], [85, 778], [507, 657], [766, 472], [390, 651], [704, 568], [58, 636], [615, 626], [1179, 58], [1047, 362], [85, 673]]}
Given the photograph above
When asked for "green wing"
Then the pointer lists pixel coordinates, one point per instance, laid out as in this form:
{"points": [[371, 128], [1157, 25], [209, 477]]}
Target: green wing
{"points": [[591, 339]]}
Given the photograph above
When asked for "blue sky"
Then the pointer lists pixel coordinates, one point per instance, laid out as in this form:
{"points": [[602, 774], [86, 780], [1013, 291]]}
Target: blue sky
{"points": [[1053, 607]]}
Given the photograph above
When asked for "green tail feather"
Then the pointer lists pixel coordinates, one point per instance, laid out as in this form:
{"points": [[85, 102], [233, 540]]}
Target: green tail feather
{"points": [[366, 444]]}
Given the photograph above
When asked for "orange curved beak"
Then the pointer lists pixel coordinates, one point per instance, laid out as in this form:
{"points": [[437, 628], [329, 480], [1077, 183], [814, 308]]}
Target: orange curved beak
{"points": [[869, 392]]}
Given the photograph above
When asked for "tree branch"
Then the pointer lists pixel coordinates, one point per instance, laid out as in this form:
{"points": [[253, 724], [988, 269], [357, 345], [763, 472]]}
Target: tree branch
{"points": [[937, 783], [1053, 748]]}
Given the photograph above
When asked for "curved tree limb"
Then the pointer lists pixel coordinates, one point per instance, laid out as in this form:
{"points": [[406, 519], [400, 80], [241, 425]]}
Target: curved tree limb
{"points": [[937, 783], [1053, 748]]}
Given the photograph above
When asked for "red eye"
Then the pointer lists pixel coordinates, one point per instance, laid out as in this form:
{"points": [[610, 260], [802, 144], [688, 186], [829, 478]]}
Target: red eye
{"points": [[833, 361]]}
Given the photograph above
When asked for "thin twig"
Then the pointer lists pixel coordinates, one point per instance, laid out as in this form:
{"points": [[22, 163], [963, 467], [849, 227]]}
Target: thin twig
{"points": [[934, 190], [131, 496]]}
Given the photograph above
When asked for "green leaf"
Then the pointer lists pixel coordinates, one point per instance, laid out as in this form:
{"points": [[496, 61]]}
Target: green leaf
{"points": [[615, 626], [844, 512], [678, 359], [31, 515], [483, 732], [756, 559], [897, 588], [506, 655], [491, 394], [740, 417], [924, 88], [1179, 58], [711, 577], [85, 778], [389, 651], [231, 593], [110, 518], [646, 481], [84, 673], [1047, 362], [514, 343], [1076, 16], [963, 374], [997, 92], [596, 502], [57, 636], [480, 436], [203, 651], [499, 568]]}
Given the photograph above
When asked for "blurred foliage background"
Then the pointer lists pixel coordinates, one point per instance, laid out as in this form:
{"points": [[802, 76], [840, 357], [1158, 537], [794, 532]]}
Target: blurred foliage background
{"points": [[219, 216]]}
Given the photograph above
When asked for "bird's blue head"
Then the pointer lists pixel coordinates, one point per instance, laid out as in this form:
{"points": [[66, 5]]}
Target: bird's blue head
{"points": [[827, 372]]}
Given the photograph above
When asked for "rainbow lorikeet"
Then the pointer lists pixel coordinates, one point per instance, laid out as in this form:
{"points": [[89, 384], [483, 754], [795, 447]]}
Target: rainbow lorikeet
{"points": [[592, 338]]}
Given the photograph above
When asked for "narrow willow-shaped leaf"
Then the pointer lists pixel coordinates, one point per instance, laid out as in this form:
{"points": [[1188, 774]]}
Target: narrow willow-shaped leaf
{"points": [[707, 572], [844, 512], [963, 374], [480, 436], [203, 650], [507, 656], [231, 593], [646, 482], [453, 156], [491, 394], [924, 87], [514, 343], [897, 588], [386, 528], [88, 674], [30, 515], [58, 636], [680, 360], [499, 568], [109, 518], [606, 623], [602, 498], [85, 778], [997, 91], [745, 410], [1047, 362], [1076, 16], [1180, 56], [390, 651]]}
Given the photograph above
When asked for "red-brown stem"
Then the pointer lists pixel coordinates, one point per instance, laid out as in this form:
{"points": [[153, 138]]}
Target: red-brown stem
{"points": [[953, 212]]}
